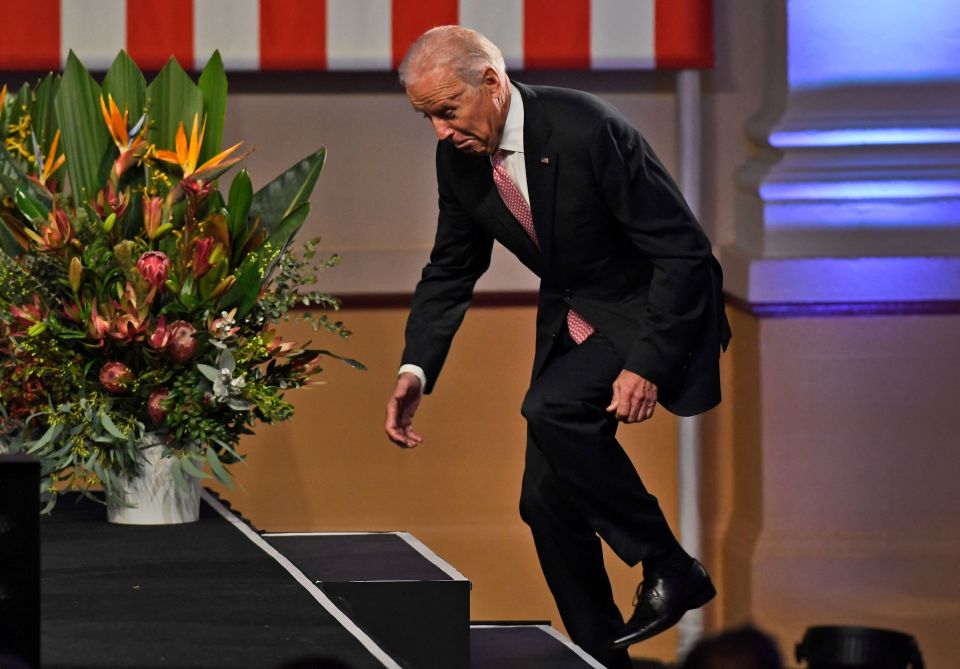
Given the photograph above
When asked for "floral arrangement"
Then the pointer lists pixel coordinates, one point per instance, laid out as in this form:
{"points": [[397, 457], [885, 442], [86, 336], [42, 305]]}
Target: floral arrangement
{"points": [[140, 301]]}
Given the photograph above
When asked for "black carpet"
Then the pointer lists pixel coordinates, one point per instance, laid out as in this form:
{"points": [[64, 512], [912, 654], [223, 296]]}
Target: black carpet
{"points": [[194, 595]]}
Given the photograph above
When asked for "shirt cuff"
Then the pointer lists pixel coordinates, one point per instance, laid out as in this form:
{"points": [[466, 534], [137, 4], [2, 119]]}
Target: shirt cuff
{"points": [[417, 371]]}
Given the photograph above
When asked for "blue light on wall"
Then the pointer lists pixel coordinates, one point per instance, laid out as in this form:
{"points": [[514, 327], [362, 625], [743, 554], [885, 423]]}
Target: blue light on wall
{"points": [[835, 42], [864, 137]]}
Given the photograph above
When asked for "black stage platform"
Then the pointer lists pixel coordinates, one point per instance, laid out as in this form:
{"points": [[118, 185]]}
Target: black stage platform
{"points": [[204, 594], [216, 593]]}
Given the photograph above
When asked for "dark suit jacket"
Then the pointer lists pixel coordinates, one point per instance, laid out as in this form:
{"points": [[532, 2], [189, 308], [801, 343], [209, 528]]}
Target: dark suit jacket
{"points": [[618, 245]]}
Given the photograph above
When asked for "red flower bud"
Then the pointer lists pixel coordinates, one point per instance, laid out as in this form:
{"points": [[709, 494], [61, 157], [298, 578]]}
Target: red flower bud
{"points": [[154, 266], [116, 377], [155, 405], [181, 343]]}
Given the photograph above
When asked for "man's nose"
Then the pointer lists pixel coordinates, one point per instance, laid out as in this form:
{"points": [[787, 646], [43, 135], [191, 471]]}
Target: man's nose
{"points": [[442, 129]]}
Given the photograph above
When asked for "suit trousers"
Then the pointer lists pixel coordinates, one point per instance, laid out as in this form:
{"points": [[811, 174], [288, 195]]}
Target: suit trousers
{"points": [[578, 485]]}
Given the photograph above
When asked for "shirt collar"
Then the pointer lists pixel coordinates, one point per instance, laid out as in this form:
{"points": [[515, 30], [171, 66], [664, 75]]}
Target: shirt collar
{"points": [[512, 139]]}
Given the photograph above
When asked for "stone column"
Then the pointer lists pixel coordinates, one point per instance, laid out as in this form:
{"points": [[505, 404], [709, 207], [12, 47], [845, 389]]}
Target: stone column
{"points": [[845, 279]]}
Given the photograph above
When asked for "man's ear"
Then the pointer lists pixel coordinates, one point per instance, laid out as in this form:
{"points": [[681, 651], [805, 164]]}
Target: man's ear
{"points": [[491, 82]]}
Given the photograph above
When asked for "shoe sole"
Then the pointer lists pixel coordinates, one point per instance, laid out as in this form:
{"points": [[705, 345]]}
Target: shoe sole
{"points": [[701, 599]]}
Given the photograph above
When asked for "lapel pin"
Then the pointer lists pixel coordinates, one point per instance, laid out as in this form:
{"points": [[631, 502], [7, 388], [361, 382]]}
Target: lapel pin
{"points": [[545, 160]]}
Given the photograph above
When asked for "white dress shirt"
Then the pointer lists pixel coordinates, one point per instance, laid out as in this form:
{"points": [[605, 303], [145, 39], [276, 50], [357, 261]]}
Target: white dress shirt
{"points": [[511, 143]]}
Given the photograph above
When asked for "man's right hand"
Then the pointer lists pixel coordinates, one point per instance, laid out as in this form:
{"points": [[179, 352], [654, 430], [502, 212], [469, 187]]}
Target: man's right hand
{"points": [[402, 405]]}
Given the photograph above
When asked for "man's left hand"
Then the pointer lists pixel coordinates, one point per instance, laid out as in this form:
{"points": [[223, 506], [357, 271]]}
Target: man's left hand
{"points": [[634, 398]]}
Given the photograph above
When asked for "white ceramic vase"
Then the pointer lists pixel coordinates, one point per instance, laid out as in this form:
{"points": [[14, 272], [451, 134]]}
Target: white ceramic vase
{"points": [[155, 497]]}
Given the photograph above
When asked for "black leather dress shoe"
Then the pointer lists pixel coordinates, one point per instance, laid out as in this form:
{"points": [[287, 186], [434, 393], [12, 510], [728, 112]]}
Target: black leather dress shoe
{"points": [[662, 599]]}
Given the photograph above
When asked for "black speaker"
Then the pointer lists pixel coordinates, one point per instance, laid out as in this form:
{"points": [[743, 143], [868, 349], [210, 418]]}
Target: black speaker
{"points": [[19, 560], [845, 647]]}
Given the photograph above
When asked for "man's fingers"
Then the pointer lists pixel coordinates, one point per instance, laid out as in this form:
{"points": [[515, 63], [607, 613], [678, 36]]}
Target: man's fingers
{"points": [[397, 425], [615, 400], [413, 438], [646, 412], [404, 437]]}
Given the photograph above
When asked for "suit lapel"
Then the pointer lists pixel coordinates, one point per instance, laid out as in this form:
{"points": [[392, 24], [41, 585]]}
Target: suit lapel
{"points": [[541, 163], [491, 209]]}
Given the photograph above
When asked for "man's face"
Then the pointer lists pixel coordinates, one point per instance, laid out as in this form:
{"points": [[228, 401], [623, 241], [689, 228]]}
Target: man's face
{"points": [[469, 117]]}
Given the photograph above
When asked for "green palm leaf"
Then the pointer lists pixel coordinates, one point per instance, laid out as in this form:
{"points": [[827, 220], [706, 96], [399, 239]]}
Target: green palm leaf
{"points": [[172, 98], [213, 85], [43, 113], [86, 140], [125, 84], [279, 198]]}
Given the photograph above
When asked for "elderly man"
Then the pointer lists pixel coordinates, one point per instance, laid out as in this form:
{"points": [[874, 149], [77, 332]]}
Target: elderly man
{"points": [[630, 313]]}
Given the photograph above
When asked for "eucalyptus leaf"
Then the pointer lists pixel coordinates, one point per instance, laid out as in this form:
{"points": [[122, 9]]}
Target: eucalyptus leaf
{"points": [[227, 361], [52, 432], [218, 469], [177, 471], [111, 427], [211, 373], [192, 469], [51, 502], [239, 405], [356, 364]]}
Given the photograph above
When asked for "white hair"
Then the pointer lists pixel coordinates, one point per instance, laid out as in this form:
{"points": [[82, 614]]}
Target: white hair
{"points": [[465, 51]]}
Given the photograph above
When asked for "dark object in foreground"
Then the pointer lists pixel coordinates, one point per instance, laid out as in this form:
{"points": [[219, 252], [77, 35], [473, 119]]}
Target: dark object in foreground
{"points": [[844, 647], [19, 560], [741, 648]]}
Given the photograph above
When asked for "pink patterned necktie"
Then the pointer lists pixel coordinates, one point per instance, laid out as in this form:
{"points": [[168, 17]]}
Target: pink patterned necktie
{"points": [[579, 328]]}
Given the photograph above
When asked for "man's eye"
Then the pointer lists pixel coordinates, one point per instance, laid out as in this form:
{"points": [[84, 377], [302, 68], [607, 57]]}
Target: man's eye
{"points": [[449, 113]]}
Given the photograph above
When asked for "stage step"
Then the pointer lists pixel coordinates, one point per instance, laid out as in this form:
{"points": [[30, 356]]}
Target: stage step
{"points": [[522, 646], [411, 602]]}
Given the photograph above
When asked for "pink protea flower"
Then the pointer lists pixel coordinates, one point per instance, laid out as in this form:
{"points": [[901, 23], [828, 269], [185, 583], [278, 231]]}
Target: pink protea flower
{"points": [[154, 266], [116, 377], [155, 405], [129, 316], [181, 343]]}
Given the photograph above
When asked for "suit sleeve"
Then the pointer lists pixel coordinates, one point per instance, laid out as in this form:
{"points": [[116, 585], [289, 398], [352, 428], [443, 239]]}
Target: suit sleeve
{"points": [[461, 254], [648, 205]]}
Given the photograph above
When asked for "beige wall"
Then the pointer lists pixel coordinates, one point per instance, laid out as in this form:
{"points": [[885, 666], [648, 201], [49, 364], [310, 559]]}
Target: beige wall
{"points": [[844, 462]]}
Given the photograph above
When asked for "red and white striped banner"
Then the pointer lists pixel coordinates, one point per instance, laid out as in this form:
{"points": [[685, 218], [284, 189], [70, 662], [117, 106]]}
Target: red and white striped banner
{"points": [[353, 34]]}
